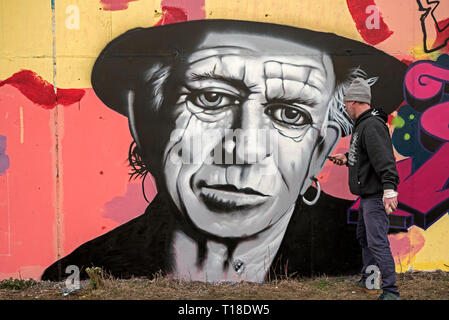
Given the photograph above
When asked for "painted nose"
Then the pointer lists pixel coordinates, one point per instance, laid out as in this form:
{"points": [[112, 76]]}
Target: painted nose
{"points": [[250, 141]]}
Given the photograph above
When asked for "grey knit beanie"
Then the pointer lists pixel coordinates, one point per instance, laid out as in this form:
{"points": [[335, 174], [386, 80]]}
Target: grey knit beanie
{"points": [[358, 91]]}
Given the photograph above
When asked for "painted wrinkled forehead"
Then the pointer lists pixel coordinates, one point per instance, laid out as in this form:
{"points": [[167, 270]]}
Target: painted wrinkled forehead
{"points": [[285, 59]]}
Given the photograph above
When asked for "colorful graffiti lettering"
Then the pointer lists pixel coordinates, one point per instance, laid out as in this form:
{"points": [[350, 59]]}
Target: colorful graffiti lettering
{"points": [[425, 114]]}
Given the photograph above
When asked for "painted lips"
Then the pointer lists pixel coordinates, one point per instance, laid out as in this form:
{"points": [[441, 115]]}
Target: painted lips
{"points": [[227, 197]]}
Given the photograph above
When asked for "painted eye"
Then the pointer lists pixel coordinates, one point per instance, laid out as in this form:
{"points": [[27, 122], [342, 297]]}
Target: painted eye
{"points": [[212, 100], [289, 115]]}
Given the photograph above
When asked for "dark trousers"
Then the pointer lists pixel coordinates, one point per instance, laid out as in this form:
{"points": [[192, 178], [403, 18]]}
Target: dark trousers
{"points": [[372, 234]]}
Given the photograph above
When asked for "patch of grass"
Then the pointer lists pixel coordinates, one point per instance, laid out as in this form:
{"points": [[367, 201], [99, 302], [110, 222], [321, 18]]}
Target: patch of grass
{"points": [[323, 284], [96, 276], [16, 284], [340, 279], [412, 286]]}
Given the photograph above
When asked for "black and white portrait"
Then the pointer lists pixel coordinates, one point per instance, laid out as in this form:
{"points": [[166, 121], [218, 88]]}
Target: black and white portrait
{"points": [[234, 120]]}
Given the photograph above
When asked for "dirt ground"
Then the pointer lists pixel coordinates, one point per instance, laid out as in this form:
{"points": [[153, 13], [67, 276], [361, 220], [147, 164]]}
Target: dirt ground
{"points": [[412, 285]]}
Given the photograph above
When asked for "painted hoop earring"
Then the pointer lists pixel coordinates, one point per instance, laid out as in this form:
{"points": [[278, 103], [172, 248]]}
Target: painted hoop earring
{"points": [[315, 200]]}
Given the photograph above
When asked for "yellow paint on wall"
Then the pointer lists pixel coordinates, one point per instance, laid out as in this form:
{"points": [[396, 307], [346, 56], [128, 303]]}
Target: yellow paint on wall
{"points": [[418, 53], [74, 72], [319, 15], [77, 49], [435, 253], [144, 13], [11, 65], [26, 37], [93, 33], [25, 28]]}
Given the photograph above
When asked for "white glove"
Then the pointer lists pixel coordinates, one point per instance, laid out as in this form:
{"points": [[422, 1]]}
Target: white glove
{"points": [[390, 193]]}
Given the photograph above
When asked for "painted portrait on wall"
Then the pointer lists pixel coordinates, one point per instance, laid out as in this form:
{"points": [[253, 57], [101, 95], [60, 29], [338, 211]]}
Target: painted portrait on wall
{"points": [[234, 120]]}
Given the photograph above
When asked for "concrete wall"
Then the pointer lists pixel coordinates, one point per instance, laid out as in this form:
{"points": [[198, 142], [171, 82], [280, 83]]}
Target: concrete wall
{"points": [[64, 174]]}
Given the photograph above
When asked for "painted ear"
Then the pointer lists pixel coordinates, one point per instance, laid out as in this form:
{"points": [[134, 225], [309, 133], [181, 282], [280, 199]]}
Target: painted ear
{"points": [[322, 150]]}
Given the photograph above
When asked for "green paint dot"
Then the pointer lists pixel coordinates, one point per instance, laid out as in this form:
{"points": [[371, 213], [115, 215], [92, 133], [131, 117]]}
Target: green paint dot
{"points": [[406, 137], [411, 117], [398, 122]]}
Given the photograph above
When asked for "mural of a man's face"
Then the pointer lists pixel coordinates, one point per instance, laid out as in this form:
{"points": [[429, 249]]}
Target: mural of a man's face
{"points": [[248, 87]]}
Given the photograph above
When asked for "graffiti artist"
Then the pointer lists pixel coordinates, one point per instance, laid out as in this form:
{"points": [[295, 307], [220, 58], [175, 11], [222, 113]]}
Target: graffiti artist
{"points": [[372, 176]]}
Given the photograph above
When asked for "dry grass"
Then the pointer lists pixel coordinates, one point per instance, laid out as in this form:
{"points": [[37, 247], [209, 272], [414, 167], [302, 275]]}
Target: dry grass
{"points": [[412, 285]]}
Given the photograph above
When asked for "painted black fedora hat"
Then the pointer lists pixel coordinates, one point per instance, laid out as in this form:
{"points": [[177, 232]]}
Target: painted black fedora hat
{"points": [[124, 63]]}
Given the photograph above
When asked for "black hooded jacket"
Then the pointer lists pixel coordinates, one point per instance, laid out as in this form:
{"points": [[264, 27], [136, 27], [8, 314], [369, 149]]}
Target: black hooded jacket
{"points": [[372, 167]]}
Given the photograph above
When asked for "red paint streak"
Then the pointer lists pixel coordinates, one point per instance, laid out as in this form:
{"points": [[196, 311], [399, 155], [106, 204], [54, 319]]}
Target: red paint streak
{"points": [[407, 62], [174, 11], [390, 119], [41, 92], [115, 5], [357, 8], [442, 36], [171, 15]]}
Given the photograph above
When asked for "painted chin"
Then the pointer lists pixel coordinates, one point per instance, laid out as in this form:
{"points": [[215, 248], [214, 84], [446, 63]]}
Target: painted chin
{"points": [[225, 210], [228, 199]]}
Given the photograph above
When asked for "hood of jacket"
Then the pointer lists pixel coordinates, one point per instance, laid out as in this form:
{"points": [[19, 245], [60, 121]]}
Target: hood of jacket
{"points": [[373, 112]]}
